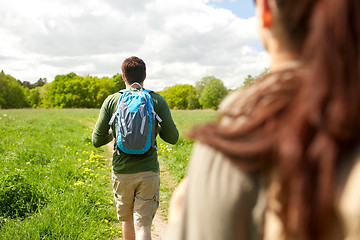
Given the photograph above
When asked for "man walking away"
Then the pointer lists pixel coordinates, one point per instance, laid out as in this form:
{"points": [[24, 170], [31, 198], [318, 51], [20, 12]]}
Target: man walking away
{"points": [[135, 175]]}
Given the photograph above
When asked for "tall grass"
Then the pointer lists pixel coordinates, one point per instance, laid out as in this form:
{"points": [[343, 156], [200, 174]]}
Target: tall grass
{"points": [[50, 152], [174, 159]]}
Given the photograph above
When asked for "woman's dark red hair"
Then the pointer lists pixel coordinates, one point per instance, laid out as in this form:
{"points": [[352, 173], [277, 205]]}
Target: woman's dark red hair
{"points": [[318, 120]]}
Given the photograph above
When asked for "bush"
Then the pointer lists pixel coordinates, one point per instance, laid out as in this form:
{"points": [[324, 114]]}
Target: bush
{"points": [[18, 197]]}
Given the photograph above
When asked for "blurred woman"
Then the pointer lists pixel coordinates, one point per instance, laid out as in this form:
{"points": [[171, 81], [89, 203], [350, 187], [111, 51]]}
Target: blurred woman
{"points": [[283, 160]]}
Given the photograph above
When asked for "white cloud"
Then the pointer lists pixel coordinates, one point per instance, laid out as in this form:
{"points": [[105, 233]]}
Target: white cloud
{"points": [[181, 41]]}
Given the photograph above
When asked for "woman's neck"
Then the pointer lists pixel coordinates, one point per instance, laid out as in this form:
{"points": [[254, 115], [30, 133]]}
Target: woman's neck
{"points": [[281, 57]]}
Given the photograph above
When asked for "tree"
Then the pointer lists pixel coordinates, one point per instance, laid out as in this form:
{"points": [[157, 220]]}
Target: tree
{"points": [[107, 86], [29, 85], [25, 84], [11, 92], [63, 92], [213, 93], [33, 97], [73, 91], [193, 100], [249, 80], [119, 81], [194, 96], [200, 85], [66, 91], [44, 94], [41, 82], [177, 96]]}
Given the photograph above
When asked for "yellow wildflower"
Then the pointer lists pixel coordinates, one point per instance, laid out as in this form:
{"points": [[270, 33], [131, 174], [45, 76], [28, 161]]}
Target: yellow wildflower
{"points": [[78, 183]]}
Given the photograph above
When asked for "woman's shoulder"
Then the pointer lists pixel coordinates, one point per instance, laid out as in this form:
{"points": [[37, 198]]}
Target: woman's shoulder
{"points": [[348, 206], [269, 86], [219, 190], [213, 164]]}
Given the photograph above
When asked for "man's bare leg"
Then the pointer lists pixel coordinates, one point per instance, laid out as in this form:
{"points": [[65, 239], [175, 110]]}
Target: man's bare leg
{"points": [[128, 229], [143, 233]]}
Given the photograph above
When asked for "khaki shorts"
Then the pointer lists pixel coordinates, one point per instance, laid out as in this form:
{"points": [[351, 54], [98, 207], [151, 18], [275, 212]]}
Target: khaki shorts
{"points": [[136, 195]]}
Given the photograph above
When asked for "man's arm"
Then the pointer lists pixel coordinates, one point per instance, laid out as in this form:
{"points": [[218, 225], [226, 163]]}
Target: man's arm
{"points": [[167, 130], [101, 135]]}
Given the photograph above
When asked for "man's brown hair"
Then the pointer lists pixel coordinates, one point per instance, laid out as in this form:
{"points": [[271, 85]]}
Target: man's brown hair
{"points": [[134, 70]]}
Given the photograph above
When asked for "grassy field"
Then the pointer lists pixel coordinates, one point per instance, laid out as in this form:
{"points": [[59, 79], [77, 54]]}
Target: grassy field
{"points": [[174, 158], [56, 185]]}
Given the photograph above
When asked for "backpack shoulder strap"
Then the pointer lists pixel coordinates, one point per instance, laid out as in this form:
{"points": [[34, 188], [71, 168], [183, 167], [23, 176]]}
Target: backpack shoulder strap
{"points": [[122, 91], [148, 91], [153, 110]]}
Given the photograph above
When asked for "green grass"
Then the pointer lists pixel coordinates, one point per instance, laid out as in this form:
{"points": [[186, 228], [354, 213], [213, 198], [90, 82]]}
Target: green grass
{"points": [[59, 185], [51, 151], [174, 158]]}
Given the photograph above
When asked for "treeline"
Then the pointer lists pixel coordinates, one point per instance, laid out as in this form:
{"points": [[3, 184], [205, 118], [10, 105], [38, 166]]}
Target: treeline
{"points": [[66, 91], [73, 91], [206, 94]]}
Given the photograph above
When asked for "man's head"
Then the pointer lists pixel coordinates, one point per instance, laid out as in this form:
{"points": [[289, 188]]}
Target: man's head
{"points": [[134, 70]]}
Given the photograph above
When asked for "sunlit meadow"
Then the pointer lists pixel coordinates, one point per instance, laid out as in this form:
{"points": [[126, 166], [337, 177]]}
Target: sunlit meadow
{"points": [[56, 185]]}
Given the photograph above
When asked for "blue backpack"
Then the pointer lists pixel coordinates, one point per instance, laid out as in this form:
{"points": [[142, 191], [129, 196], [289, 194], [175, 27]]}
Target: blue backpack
{"points": [[135, 121]]}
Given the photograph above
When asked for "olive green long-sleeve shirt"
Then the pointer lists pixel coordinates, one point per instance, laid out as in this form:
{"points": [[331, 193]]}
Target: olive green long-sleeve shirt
{"points": [[128, 163]]}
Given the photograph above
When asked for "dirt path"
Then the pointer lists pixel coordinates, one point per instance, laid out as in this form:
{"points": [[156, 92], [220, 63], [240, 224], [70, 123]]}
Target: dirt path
{"points": [[159, 224]]}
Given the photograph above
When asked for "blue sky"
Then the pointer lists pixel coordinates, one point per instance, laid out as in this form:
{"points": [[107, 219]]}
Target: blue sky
{"points": [[241, 8], [181, 41]]}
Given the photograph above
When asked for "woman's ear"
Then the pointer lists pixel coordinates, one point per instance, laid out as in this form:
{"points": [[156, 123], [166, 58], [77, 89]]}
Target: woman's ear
{"points": [[267, 16]]}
